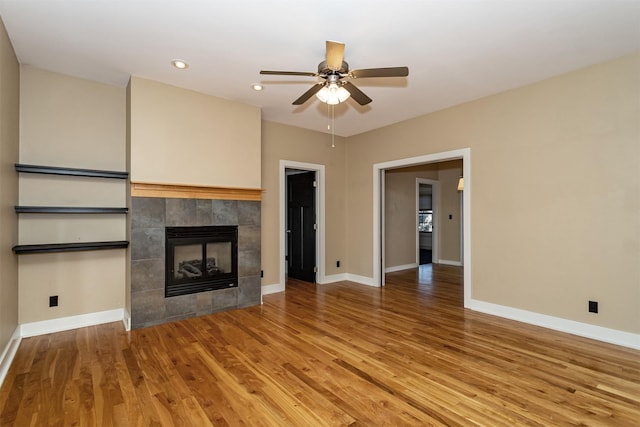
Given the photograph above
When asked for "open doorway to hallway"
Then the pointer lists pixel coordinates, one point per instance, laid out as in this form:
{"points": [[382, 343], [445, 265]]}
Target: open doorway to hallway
{"points": [[422, 215], [454, 215], [427, 202]]}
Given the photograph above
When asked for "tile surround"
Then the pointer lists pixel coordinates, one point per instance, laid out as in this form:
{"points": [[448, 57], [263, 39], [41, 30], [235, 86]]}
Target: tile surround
{"points": [[149, 217]]}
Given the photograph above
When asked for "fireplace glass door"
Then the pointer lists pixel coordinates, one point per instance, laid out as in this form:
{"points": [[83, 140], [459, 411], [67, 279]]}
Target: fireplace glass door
{"points": [[200, 259]]}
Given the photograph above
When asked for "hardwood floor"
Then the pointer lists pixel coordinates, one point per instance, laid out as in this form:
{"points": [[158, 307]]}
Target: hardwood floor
{"points": [[339, 354]]}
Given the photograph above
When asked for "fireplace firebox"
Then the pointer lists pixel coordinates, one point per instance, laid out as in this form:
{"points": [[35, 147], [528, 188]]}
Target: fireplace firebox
{"points": [[200, 259]]}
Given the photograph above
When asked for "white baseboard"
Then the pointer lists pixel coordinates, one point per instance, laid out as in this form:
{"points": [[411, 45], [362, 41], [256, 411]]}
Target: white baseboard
{"points": [[71, 322], [333, 278], [401, 267], [9, 353], [126, 319], [360, 279], [271, 289], [612, 336], [449, 262]]}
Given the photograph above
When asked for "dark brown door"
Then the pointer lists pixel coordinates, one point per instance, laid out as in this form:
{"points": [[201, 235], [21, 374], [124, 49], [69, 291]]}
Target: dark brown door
{"points": [[301, 226]]}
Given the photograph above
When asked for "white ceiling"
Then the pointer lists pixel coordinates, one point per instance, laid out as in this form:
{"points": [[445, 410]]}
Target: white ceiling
{"points": [[456, 50]]}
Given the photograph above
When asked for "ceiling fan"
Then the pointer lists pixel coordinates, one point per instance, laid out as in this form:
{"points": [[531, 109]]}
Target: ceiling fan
{"points": [[334, 72]]}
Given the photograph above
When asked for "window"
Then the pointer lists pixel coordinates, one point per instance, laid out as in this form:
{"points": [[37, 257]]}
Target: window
{"points": [[425, 220]]}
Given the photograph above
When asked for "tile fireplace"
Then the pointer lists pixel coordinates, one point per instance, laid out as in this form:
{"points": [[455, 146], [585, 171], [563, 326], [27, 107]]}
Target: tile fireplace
{"points": [[170, 247]]}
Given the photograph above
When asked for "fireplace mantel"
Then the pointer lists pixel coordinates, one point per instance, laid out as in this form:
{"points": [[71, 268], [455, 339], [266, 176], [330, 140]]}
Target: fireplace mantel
{"points": [[178, 191]]}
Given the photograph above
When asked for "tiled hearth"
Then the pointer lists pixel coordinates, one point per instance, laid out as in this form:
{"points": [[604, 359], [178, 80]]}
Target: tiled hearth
{"points": [[149, 217]]}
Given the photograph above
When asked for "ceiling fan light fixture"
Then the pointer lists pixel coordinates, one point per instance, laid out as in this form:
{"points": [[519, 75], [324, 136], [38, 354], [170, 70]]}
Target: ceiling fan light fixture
{"points": [[333, 94], [335, 71]]}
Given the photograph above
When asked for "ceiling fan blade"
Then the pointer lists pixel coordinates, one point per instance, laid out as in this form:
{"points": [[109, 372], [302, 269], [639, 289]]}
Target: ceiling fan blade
{"points": [[357, 94], [380, 72], [335, 55], [288, 73], [308, 94]]}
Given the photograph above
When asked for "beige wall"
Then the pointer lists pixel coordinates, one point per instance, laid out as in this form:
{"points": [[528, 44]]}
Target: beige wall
{"points": [[183, 137], [70, 122], [555, 209], [280, 142], [400, 212], [9, 122]]}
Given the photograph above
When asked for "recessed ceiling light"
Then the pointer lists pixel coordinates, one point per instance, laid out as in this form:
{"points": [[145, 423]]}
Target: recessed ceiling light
{"points": [[257, 86], [180, 64]]}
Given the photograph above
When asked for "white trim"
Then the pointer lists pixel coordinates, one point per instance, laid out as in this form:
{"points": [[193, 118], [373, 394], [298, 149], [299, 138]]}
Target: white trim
{"points": [[383, 235], [333, 278], [126, 319], [320, 215], [271, 289], [461, 228], [449, 262], [71, 322], [612, 336], [401, 267], [435, 208], [369, 281], [9, 353], [378, 224]]}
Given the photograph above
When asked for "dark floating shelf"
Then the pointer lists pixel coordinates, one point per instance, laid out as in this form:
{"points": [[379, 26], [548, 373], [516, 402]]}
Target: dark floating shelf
{"points": [[69, 247], [69, 210], [53, 170]]}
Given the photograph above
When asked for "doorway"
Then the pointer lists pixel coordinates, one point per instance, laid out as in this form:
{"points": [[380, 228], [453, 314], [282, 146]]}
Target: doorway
{"points": [[286, 167], [427, 192], [301, 225], [378, 211]]}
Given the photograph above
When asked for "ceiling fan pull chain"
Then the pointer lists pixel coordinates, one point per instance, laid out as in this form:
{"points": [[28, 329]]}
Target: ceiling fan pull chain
{"points": [[333, 133], [328, 119]]}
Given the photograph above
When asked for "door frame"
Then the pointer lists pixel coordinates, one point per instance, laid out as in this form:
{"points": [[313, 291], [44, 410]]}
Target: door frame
{"points": [[320, 216], [435, 207], [378, 197]]}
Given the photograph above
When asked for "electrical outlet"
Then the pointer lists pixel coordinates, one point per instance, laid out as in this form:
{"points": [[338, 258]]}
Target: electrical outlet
{"points": [[53, 301], [593, 306], [338, 264], [261, 273]]}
